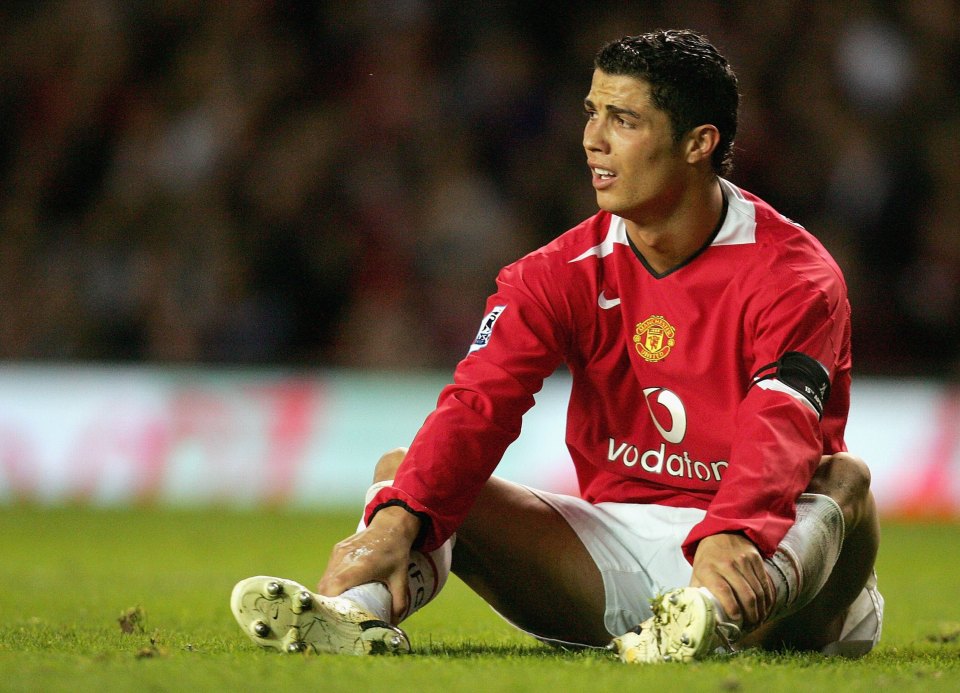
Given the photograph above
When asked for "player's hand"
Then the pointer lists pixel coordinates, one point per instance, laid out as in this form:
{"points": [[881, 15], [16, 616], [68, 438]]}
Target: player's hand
{"points": [[731, 567], [379, 553]]}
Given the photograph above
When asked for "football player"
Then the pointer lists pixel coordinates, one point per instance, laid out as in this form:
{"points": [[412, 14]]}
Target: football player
{"points": [[708, 339]]}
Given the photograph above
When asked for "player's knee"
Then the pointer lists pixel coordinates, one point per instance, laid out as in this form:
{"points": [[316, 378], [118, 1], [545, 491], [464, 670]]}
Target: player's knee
{"points": [[851, 472], [388, 464], [846, 479]]}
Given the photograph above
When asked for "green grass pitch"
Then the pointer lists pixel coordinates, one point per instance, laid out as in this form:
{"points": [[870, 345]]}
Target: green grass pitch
{"points": [[75, 579]]}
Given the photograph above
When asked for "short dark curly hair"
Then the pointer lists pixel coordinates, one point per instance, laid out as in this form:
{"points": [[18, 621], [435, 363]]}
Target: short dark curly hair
{"points": [[689, 81]]}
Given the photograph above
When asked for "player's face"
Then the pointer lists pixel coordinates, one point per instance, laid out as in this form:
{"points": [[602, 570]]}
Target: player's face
{"points": [[637, 168]]}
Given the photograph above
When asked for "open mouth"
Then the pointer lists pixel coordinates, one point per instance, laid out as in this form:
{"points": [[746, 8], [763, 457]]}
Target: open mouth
{"points": [[603, 178]]}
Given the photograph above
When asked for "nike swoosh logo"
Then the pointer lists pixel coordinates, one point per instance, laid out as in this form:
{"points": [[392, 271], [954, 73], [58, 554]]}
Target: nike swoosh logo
{"points": [[607, 303]]}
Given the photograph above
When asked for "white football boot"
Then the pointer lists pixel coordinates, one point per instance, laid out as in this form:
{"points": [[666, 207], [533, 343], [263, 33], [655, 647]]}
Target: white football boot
{"points": [[284, 615], [687, 624]]}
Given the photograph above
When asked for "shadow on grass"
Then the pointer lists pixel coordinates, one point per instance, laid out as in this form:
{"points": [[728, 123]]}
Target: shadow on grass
{"points": [[469, 650], [915, 654]]}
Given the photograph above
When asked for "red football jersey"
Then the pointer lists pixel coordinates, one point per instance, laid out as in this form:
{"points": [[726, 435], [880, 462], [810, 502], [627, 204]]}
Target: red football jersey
{"points": [[663, 407]]}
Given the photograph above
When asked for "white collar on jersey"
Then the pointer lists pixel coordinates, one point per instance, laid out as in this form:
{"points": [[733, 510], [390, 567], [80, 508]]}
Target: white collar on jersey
{"points": [[739, 226]]}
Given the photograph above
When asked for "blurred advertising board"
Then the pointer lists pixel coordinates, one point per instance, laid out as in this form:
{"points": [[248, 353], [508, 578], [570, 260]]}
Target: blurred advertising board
{"points": [[123, 435]]}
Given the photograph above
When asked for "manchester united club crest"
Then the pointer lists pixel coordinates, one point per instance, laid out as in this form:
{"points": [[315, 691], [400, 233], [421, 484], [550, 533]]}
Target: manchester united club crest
{"points": [[654, 338]]}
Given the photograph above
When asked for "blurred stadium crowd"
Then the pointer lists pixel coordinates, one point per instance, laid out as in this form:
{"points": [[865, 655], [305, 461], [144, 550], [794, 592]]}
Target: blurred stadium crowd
{"points": [[270, 181]]}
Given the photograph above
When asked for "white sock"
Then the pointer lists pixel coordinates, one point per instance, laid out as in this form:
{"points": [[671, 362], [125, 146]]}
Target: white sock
{"points": [[427, 574], [372, 596], [805, 558]]}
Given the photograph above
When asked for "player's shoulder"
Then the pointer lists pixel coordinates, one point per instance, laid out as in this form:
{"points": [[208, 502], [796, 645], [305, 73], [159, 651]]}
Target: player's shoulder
{"points": [[786, 250], [561, 253]]}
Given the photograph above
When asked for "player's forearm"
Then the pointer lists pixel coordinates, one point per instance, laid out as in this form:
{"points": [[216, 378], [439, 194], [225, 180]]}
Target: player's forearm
{"points": [[777, 449], [397, 523]]}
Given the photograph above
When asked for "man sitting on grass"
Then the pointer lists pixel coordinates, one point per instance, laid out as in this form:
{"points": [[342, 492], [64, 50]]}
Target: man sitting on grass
{"points": [[708, 339]]}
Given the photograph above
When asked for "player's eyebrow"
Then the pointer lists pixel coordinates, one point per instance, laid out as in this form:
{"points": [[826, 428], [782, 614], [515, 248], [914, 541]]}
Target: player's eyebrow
{"points": [[618, 110]]}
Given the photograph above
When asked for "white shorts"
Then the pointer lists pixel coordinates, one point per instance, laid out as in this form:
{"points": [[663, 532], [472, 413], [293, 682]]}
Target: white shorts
{"points": [[637, 550]]}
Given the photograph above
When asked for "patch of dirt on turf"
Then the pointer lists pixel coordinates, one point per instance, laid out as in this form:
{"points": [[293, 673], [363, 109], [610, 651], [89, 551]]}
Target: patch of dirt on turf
{"points": [[155, 649], [133, 620]]}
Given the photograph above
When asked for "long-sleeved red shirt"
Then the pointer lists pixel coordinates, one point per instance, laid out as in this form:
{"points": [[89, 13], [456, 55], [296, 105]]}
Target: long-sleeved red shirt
{"points": [[663, 407]]}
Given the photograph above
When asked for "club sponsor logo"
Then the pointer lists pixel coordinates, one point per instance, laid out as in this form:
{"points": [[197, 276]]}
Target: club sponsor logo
{"points": [[654, 338], [658, 461], [669, 416], [673, 405]]}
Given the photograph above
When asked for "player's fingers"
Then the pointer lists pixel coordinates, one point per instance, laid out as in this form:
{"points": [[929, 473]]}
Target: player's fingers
{"points": [[400, 597], [722, 591], [743, 595], [755, 573], [748, 579], [751, 597], [738, 592], [769, 593]]}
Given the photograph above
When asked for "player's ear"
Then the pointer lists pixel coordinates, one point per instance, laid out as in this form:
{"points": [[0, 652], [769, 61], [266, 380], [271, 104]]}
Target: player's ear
{"points": [[701, 142]]}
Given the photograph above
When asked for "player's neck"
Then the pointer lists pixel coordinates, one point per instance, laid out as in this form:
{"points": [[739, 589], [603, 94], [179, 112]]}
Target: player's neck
{"points": [[671, 239]]}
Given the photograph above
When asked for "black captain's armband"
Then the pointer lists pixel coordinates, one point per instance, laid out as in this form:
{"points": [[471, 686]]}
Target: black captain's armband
{"points": [[800, 373]]}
